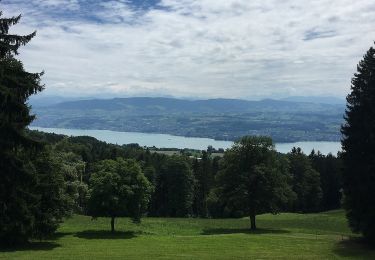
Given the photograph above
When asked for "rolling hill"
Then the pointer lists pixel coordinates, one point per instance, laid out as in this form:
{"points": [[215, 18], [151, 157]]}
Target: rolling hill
{"points": [[224, 119]]}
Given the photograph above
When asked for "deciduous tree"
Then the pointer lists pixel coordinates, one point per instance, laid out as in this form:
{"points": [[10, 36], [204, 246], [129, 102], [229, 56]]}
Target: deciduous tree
{"points": [[118, 188], [253, 179]]}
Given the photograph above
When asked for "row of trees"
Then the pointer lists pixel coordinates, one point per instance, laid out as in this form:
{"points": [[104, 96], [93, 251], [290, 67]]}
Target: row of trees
{"points": [[251, 178]]}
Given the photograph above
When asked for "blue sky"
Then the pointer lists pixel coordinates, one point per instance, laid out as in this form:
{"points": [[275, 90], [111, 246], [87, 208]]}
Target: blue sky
{"points": [[195, 48]]}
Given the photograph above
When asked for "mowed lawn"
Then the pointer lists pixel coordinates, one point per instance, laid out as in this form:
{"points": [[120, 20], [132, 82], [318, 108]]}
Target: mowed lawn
{"points": [[283, 236]]}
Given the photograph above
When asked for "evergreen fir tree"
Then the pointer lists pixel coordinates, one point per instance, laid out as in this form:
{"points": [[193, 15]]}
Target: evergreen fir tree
{"points": [[16, 85], [358, 149], [9, 44], [204, 183], [20, 199], [306, 182]]}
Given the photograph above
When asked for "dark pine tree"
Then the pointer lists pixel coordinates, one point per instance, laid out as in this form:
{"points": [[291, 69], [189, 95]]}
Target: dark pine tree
{"points": [[17, 202], [204, 181], [330, 169], [359, 149], [306, 182], [174, 191]]}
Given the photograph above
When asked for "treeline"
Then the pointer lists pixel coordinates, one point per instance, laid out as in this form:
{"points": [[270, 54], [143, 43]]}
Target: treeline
{"points": [[186, 186]]}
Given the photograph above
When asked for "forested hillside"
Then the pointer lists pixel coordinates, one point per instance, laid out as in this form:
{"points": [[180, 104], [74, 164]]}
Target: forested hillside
{"points": [[222, 119]]}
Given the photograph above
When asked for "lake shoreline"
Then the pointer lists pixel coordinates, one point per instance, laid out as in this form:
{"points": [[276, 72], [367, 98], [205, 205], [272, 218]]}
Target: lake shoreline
{"points": [[181, 142], [177, 135]]}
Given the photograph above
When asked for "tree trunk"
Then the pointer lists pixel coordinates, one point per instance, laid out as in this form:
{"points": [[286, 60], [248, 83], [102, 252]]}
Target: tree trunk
{"points": [[112, 224], [252, 222]]}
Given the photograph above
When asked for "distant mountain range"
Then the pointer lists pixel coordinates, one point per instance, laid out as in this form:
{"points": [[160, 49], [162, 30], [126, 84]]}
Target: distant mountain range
{"points": [[151, 106], [317, 99], [43, 100], [225, 119]]}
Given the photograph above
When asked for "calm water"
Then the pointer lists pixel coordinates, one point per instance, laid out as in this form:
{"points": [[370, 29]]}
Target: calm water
{"points": [[172, 141]]}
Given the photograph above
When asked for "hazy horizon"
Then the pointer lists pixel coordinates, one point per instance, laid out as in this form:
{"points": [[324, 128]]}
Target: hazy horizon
{"points": [[113, 96]]}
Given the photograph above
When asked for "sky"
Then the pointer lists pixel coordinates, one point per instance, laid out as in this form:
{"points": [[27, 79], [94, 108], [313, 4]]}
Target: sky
{"points": [[247, 49]]}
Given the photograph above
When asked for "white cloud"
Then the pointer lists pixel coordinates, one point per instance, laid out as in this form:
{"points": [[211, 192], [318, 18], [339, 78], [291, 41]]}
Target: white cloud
{"points": [[205, 48]]}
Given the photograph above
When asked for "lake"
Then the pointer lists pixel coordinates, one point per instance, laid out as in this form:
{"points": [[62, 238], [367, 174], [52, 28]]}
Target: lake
{"points": [[172, 141]]}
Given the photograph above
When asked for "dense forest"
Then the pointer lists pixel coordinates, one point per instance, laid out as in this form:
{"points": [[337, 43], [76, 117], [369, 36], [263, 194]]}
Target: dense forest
{"points": [[184, 185]]}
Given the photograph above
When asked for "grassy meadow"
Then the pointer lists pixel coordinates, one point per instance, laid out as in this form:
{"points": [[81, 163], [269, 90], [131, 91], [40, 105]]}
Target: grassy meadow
{"points": [[282, 236]]}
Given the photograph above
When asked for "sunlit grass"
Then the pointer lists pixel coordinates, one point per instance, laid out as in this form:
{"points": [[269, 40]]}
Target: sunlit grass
{"points": [[287, 236]]}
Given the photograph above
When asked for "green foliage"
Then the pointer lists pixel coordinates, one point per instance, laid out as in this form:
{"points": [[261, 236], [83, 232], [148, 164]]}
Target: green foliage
{"points": [[18, 197], [358, 149], [9, 43], [39, 198], [306, 182], [79, 155], [252, 180], [150, 174], [174, 189], [73, 169], [16, 85], [118, 188], [330, 170], [56, 195], [37, 187], [45, 138], [17, 200], [204, 183]]}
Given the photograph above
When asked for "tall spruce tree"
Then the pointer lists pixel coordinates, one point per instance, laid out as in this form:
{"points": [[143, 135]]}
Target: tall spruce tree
{"points": [[17, 203], [174, 191], [330, 169], [306, 182], [32, 190], [204, 183], [16, 85], [358, 149]]}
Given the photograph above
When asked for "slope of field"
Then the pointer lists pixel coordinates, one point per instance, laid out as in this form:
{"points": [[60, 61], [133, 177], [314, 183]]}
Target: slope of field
{"points": [[283, 236]]}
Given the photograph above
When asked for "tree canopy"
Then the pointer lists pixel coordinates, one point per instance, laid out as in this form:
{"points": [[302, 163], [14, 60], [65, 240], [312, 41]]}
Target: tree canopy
{"points": [[174, 191], [253, 179], [33, 194], [306, 182], [118, 189], [358, 148], [16, 85]]}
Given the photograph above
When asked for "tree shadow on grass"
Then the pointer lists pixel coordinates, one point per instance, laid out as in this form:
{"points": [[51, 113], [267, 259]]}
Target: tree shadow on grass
{"points": [[32, 246], [223, 231], [43, 245], [355, 247], [103, 234], [58, 235]]}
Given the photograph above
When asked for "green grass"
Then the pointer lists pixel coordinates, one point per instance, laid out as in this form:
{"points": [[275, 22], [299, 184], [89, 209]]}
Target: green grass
{"points": [[283, 236]]}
